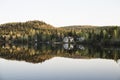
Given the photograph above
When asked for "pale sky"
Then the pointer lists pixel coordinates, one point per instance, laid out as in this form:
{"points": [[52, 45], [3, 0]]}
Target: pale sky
{"points": [[62, 12]]}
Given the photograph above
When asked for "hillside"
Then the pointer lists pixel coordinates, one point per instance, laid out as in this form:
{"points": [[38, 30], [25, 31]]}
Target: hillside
{"points": [[78, 27], [41, 32], [28, 24]]}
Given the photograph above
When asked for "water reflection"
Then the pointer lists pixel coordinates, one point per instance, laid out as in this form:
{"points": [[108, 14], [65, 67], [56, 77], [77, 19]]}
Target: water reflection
{"points": [[59, 62], [59, 68], [118, 62], [68, 46], [40, 52]]}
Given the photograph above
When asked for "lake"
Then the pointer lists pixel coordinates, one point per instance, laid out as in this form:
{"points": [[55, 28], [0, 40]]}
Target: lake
{"points": [[59, 62]]}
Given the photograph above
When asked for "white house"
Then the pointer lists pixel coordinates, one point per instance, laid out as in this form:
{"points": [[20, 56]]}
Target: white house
{"points": [[68, 39]]}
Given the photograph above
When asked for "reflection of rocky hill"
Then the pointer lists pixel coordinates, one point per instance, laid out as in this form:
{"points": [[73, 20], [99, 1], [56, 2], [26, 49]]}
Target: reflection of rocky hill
{"points": [[36, 54]]}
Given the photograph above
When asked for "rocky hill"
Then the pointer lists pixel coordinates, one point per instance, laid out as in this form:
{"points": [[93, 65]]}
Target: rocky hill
{"points": [[28, 24]]}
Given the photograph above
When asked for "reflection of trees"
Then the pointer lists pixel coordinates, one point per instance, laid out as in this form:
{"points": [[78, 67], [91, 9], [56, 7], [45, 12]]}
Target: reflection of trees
{"points": [[118, 62], [41, 52]]}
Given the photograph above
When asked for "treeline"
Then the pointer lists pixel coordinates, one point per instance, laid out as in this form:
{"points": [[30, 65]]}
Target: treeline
{"points": [[43, 52], [40, 32]]}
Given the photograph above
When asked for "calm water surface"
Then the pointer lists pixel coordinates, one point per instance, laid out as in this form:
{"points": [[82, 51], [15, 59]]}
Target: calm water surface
{"points": [[61, 64]]}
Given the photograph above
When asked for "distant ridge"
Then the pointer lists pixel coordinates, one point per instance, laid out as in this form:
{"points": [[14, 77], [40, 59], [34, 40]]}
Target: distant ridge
{"points": [[79, 26], [42, 25], [32, 24]]}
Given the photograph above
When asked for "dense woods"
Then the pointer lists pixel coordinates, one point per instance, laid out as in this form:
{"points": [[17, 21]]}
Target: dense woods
{"points": [[40, 32]]}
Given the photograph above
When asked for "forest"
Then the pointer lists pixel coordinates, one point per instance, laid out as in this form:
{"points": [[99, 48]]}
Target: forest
{"points": [[32, 32]]}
